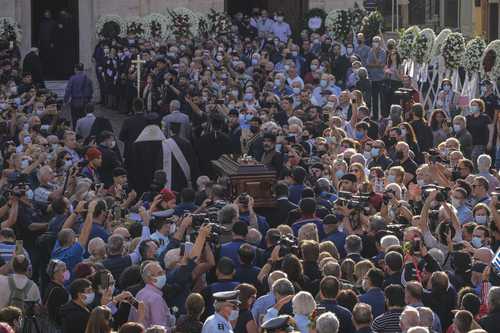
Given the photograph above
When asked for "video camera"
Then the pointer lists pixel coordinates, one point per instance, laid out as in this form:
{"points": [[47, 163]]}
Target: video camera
{"points": [[356, 202], [210, 218], [404, 94], [441, 196], [288, 244]]}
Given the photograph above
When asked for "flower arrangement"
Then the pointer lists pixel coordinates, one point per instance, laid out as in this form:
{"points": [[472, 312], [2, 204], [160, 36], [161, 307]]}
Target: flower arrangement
{"points": [[184, 22], [372, 24], [218, 23], [358, 14], [471, 61], [339, 23], [453, 49], [405, 46], [422, 46], [490, 61], [439, 41], [110, 26], [314, 20], [156, 26], [136, 26], [10, 30]]}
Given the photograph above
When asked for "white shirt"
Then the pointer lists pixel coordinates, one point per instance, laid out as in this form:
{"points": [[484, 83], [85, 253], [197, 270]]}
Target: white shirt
{"points": [[20, 281]]}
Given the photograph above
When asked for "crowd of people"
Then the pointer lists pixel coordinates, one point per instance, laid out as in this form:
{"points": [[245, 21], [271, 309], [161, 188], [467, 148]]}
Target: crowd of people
{"points": [[386, 211]]}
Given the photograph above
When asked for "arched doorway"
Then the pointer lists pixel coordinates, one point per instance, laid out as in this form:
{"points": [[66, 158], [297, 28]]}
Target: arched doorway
{"points": [[56, 36]]}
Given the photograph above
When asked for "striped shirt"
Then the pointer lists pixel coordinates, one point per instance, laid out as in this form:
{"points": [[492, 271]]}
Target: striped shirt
{"points": [[7, 250], [388, 322]]}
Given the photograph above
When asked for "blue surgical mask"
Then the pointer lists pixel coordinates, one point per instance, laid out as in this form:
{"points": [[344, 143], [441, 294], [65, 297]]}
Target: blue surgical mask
{"points": [[481, 219], [277, 82], [446, 88], [89, 298], [359, 135], [339, 174], [248, 96], [234, 315], [314, 67], [160, 281], [475, 109], [375, 152], [29, 194], [323, 83], [296, 90], [476, 242], [391, 178]]}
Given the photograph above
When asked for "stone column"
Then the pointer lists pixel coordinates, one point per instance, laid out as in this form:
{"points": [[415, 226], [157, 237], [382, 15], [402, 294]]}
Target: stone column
{"points": [[23, 17], [466, 16], [404, 13], [86, 32]]}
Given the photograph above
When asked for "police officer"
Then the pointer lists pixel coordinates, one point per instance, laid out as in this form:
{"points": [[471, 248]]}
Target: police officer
{"points": [[226, 310], [281, 324]]}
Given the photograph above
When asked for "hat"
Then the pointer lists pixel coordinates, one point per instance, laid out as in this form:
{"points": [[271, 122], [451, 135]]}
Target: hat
{"points": [[117, 172], [349, 176], [234, 112], [167, 195], [92, 153], [227, 296], [330, 219], [281, 323]]}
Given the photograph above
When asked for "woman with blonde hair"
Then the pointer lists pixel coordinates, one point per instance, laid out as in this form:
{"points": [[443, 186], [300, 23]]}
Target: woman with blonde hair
{"points": [[99, 320], [359, 171], [308, 231], [360, 270]]}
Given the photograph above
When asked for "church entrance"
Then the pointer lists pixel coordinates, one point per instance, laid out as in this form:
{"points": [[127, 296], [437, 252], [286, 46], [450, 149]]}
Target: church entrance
{"points": [[55, 32], [294, 9]]}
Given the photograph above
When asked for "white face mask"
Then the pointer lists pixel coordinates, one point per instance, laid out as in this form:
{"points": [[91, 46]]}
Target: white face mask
{"points": [[173, 228], [89, 298], [113, 144], [234, 315]]}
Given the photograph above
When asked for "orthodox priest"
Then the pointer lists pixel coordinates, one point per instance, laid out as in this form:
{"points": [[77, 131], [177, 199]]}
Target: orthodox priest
{"points": [[153, 151]]}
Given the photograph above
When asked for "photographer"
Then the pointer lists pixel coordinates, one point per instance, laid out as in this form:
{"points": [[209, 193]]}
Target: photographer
{"points": [[247, 213]]}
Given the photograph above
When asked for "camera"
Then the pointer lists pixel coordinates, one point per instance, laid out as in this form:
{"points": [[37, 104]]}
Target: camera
{"points": [[288, 244], [404, 94], [455, 174], [441, 196], [356, 202], [244, 199], [388, 195]]}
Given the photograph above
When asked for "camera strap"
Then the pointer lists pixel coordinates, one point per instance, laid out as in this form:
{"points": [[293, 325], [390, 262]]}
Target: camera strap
{"points": [[170, 148]]}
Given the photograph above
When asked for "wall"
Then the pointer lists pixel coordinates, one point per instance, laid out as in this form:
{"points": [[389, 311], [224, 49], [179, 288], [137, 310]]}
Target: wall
{"points": [[329, 5]]}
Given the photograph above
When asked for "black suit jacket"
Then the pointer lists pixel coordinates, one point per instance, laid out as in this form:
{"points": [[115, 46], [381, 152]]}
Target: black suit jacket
{"points": [[280, 214]]}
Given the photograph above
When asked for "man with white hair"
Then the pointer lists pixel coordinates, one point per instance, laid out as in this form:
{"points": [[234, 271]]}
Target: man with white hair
{"points": [[283, 291], [418, 329], [409, 318], [483, 166], [176, 116], [264, 302], [156, 309], [388, 241], [97, 250], [47, 191], [327, 323], [254, 236], [490, 322]]}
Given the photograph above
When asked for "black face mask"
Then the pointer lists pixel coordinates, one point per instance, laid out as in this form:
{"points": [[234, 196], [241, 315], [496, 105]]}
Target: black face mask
{"points": [[254, 129]]}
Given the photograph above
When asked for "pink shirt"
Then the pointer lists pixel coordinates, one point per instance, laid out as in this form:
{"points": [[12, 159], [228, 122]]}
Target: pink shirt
{"points": [[156, 310]]}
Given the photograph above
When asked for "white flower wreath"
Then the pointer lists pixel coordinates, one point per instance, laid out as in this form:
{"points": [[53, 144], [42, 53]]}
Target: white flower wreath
{"points": [[422, 46], [494, 72], [139, 23], [192, 16], [110, 18], [471, 61], [9, 23], [438, 42], [453, 49], [339, 23], [158, 19], [405, 46]]}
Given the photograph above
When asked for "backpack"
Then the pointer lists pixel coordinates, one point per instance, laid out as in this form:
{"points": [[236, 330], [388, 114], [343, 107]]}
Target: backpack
{"points": [[18, 296]]}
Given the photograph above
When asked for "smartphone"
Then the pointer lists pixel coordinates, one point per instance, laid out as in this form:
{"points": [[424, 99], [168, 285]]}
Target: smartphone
{"points": [[134, 302], [291, 139], [19, 247], [219, 101]]}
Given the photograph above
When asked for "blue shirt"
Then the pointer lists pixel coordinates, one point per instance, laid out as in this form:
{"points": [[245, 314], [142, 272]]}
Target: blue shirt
{"points": [[261, 305], [343, 314], [217, 323], [338, 238], [261, 221], [295, 192], [71, 256], [98, 230], [464, 214], [375, 297], [230, 250], [376, 73], [183, 206]]}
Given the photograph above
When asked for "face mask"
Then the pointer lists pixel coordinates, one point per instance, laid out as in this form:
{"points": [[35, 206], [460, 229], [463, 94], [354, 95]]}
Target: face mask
{"points": [[29, 194], [420, 182], [294, 53], [255, 62], [375, 44], [67, 164], [364, 285], [403, 132], [248, 96], [314, 67], [474, 109], [235, 93], [160, 281], [457, 128], [455, 203], [476, 242], [323, 83], [481, 219], [27, 140], [483, 90], [66, 275], [25, 164], [113, 144], [89, 298], [287, 67], [446, 88], [218, 58], [296, 91], [359, 135], [339, 174], [375, 152], [367, 154], [234, 315], [349, 50], [277, 82], [391, 178]]}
